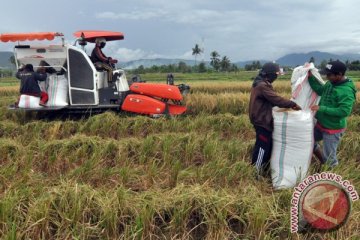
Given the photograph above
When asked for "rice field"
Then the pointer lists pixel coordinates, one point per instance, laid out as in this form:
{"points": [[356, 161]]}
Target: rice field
{"points": [[115, 176]]}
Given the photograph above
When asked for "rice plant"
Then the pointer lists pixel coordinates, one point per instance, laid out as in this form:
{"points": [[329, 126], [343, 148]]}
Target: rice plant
{"points": [[113, 176]]}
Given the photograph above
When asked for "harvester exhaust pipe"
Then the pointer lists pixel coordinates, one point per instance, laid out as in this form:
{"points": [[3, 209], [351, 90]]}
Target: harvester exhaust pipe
{"points": [[170, 79]]}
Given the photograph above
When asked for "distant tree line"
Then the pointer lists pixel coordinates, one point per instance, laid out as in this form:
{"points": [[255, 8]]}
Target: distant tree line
{"points": [[6, 73], [221, 64], [217, 64], [182, 67], [351, 65], [255, 65]]}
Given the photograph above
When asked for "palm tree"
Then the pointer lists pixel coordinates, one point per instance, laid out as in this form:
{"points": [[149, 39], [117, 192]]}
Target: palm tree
{"points": [[215, 61], [196, 51], [225, 63]]}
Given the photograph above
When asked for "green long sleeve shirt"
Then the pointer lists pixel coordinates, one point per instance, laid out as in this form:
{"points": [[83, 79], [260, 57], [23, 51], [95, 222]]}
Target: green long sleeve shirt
{"points": [[336, 103]]}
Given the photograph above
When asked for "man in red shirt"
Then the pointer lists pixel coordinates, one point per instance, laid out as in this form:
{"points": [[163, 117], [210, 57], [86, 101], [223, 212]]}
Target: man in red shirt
{"points": [[101, 60]]}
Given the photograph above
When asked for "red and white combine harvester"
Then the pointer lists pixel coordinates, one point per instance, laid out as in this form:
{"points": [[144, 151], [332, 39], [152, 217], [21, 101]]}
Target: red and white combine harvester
{"points": [[76, 84]]}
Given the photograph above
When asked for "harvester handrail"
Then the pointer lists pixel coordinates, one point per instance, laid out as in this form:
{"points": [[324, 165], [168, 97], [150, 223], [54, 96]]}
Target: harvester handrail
{"points": [[57, 66]]}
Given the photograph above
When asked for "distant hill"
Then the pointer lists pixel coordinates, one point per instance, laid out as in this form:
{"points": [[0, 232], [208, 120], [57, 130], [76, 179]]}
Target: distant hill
{"points": [[295, 59], [291, 60], [4, 60]]}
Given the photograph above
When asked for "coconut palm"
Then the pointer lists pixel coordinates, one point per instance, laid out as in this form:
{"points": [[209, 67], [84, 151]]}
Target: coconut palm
{"points": [[225, 63], [215, 60], [196, 51]]}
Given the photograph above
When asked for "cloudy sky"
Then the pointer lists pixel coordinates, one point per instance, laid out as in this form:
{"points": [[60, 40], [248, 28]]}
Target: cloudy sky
{"points": [[239, 29]]}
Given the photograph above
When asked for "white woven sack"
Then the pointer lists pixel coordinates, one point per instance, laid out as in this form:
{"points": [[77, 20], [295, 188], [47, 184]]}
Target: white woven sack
{"points": [[301, 90], [27, 101], [57, 91], [292, 146]]}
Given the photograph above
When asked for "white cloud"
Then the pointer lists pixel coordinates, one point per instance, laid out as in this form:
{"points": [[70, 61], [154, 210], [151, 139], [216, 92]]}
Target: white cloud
{"points": [[188, 16], [241, 30], [247, 30], [187, 55], [81, 13], [106, 15], [134, 15], [126, 54], [195, 16]]}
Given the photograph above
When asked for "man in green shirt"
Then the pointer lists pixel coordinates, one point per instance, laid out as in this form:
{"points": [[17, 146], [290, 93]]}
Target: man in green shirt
{"points": [[337, 99]]}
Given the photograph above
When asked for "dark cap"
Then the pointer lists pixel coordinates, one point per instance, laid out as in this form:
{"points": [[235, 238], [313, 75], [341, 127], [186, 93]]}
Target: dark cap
{"points": [[29, 67], [270, 68], [335, 67]]}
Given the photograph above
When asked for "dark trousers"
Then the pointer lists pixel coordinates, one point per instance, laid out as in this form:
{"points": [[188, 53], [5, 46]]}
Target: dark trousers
{"points": [[262, 150], [107, 67]]}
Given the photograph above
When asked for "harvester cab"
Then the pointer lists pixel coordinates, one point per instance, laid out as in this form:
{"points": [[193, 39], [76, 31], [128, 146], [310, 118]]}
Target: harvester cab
{"points": [[76, 84]]}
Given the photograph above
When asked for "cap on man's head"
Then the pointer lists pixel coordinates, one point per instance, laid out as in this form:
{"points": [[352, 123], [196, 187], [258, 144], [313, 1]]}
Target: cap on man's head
{"points": [[270, 68], [334, 67], [100, 40], [29, 67]]}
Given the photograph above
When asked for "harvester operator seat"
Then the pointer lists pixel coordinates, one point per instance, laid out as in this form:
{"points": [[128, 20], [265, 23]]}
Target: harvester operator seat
{"points": [[98, 66]]}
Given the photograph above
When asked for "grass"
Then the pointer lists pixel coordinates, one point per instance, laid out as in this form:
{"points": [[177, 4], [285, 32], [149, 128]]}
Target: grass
{"points": [[222, 77], [112, 176]]}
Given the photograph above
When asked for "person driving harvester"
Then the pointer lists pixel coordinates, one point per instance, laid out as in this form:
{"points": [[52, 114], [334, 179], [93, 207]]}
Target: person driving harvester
{"points": [[100, 60]]}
